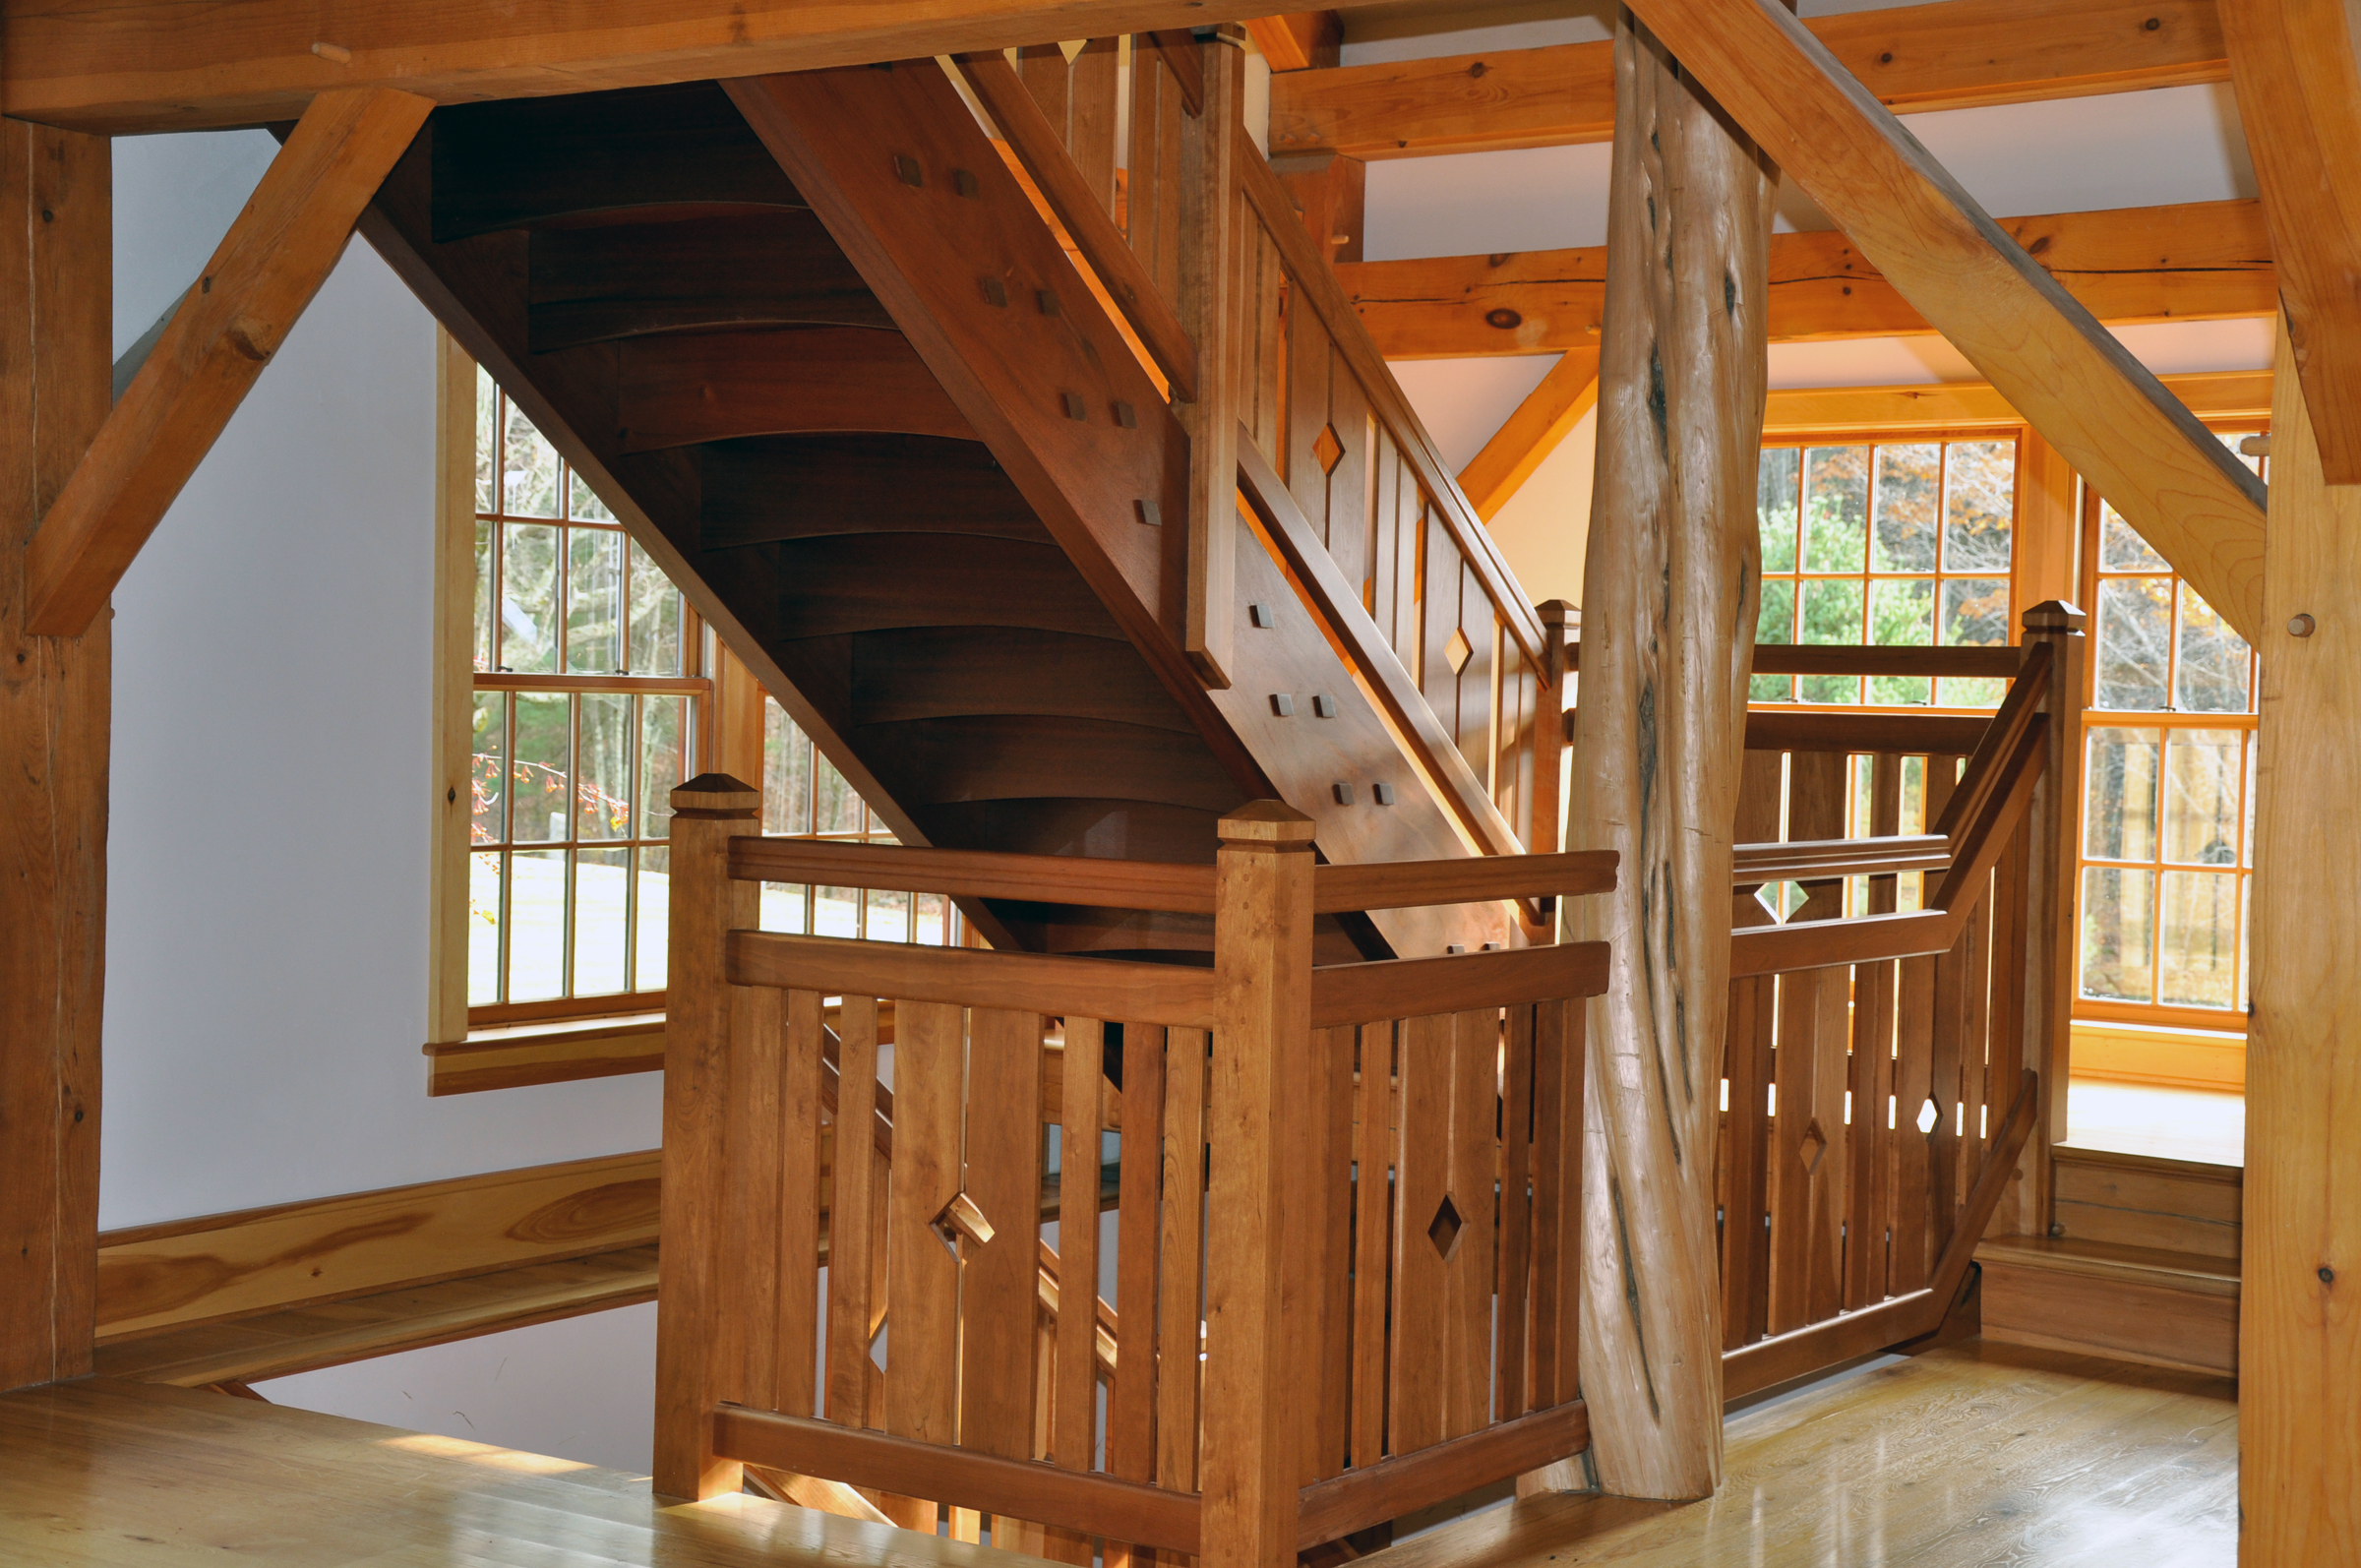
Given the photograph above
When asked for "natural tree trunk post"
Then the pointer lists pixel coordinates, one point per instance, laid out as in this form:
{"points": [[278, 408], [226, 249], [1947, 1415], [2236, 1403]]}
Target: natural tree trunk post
{"points": [[2299, 1337], [56, 229], [1670, 577]]}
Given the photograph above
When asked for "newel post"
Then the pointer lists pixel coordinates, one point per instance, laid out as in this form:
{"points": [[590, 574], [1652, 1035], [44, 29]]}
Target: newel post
{"points": [[1256, 1380], [2050, 928], [707, 812]]}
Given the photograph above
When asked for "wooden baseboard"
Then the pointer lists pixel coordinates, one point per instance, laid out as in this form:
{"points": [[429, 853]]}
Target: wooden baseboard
{"points": [[511, 1058], [2132, 1304], [225, 1266]]}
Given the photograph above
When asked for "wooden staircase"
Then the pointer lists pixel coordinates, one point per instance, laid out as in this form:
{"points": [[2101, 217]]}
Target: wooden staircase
{"points": [[835, 373]]}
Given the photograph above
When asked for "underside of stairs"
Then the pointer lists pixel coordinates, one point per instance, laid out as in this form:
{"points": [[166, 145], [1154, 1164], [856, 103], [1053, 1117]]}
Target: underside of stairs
{"points": [[833, 370]]}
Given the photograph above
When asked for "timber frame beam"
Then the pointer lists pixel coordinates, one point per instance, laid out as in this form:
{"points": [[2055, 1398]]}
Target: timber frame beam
{"points": [[2184, 492], [229, 324], [1950, 55], [184, 65]]}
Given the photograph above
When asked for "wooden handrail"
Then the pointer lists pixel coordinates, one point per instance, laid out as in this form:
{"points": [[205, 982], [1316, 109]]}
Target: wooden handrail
{"points": [[1822, 859], [976, 873], [1372, 1494], [1410, 884], [1421, 988], [1017, 1488], [1316, 287], [1873, 730], [1373, 656], [1090, 988], [2026, 694], [1044, 153], [1826, 659]]}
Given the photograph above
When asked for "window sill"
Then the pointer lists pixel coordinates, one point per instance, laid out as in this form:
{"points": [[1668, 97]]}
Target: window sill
{"points": [[2160, 1054], [518, 1055]]}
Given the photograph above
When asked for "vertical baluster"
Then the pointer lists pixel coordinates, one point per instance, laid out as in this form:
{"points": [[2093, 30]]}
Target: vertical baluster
{"points": [[922, 1281], [1510, 1338], [796, 1341], [999, 1252], [1331, 1100], [1073, 1410], [1373, 1239], [1152, 197], [1470, 1268], [852, 1216], [754, 1266], [1869, 1209], [1747, 1066], [1131, 1400], [1557, 1116], [1179, 1303], [1421, 1181], [1946, 1064], [1350, 495], [1092, 87], [1213, 313], [2051, 826]]}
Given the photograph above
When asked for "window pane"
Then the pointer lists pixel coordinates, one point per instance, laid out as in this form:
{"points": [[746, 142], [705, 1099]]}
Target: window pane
{"points": [[2202, 770], [1774, 504], [600, 877], [2200, 961], [655, 917], [2134, 620], [1971, 692], [529, 605], [786, 773], [582, 501], [932, 909], [604, 790], [664, 720], [655, 619], [2246, 944], [839, 809], [836, 911], [487, 442], [2212, 676], [529, 473], [1832, 611], [2119, 805], [783, 906], [1776, 621], [1979, 506], [1836, 508], [1975, 612], [1904, 536], [2120, 549], [888, 917], [1902, 611], [485, 533], [2118, 934], [2248, 860], [543, 770], [483, 929], [593, 601], [537, 925], [489, 774]]}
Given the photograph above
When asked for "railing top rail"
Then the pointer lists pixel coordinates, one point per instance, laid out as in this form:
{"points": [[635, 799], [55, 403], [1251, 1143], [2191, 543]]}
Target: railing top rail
{"points": [[976, 873], [1422, 988], [1410, 884], [1910, 734], [1316, 286], [966, 977], [1822, 859], [1821, 659]]}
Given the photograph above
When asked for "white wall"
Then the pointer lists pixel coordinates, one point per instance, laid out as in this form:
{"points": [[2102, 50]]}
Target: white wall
{"points": [[266, 922]]}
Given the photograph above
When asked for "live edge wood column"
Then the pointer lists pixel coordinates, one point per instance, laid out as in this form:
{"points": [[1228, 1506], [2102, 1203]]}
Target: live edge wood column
{"points": [[55, 326], [2299, 1330], [1261, 1359], [1672, 566], [692, 1369]]}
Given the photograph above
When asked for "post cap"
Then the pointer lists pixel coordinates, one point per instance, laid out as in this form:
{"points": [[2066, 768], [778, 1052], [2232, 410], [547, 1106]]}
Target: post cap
{"points": [[716, 793], [1557, 612], [2054, 615], [1266, 822]]}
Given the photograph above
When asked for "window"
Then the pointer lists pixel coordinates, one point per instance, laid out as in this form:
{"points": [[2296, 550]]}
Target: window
{"points": [[590, 693], [1895, 542], [2167, 849]]}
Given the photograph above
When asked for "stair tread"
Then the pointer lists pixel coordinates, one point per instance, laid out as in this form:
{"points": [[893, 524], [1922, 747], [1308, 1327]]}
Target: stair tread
{"points": [[2137, 1264]]}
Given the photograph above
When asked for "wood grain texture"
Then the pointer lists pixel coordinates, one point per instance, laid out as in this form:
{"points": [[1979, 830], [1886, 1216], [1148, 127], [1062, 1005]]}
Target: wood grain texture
{"points": [[2135, 1303], [968, 977], [84, 67], [1121, 885], [1263, 957], [2190, 262], [1660, 726], [1073, 1411], [2299, 84], [295, 1254], [2183, 490], [1212, 243], [1546, 416], [2299, 1343], [1412, 988], [1957, 54], [704, 906], [1974, 405], [56, 219], [998, 1271], [233, 319], [685, 388], [856, 1220], [1389, 1488]]}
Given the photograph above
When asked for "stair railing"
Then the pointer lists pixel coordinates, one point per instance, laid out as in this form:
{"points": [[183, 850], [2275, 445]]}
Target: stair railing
{"points": [[1892, 1076], [1347, 1201]]}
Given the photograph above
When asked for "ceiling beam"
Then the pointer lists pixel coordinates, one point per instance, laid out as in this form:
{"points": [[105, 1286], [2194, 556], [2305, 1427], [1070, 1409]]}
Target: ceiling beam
{"points": [[1876, 411], [2203, 260], [1546, 416], [190, 65], [229, 324], [1954, 54], [1298, 40], [2299, 93], [2184, 492]]}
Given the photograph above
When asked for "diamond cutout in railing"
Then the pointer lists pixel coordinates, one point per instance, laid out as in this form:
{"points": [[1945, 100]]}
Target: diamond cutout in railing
{"points": [[1327, 448], [1458, 651], [1444, 1229], [1929, 1116], [1813, 1146]]}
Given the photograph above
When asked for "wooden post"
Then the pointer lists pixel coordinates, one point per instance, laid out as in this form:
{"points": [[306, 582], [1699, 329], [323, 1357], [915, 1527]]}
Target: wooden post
{"points": [[1329, 190], [1561, 623], [1670, 569], [1210, 313], [2299, 1336], [1259, 1382], [2050, 929], [707, 812], [56, 219]]}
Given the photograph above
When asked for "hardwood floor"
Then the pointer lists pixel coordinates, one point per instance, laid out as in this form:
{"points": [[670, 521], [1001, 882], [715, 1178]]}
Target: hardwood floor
{"points": [[116, 1474], [1978, 1454]]}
